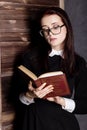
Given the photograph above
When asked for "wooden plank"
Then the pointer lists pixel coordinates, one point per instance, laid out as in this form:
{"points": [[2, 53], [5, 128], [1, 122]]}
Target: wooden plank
{"points": [[19, 14], [14, 43], [61, 4], [8, 57], [7, 126], [13, 37], [22, 6], [13, 26], [8, 5], [24, 14], [7, 117], [13, 1], [11, 14], [7, 107], [0, 95], [43, 2]]}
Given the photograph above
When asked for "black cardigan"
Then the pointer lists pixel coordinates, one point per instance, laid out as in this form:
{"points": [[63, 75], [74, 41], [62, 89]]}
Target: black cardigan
{"points": [[78, 81], [45, 115]]}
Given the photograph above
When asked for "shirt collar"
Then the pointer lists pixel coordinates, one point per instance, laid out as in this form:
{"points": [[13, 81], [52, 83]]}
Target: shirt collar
{"points": [[55, 52]]}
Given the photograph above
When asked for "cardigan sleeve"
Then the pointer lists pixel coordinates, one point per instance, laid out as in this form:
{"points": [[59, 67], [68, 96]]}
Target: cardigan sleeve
{"points": [[80, 96]]}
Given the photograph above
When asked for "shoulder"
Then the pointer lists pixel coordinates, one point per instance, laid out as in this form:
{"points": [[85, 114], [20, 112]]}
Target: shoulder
{"points": [[30, 53], [29, 57], [80, 61]]}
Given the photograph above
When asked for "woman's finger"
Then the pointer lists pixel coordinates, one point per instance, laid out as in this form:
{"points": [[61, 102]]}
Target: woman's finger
{"points": [[44, 91], [30, 87], [41, 87]]}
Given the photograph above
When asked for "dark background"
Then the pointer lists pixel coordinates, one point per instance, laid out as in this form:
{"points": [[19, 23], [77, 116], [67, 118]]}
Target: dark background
{"points": [[77, 11]]}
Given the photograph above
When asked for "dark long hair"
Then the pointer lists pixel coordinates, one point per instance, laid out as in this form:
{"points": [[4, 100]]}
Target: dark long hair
{"points": [[69, 54]]}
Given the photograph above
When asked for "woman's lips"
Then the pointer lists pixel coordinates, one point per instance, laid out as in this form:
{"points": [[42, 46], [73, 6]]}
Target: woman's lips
{"points": [[52, 39]]}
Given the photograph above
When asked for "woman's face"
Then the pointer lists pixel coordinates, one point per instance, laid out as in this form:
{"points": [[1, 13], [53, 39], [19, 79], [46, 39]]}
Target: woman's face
{"points": [[56, 36]]}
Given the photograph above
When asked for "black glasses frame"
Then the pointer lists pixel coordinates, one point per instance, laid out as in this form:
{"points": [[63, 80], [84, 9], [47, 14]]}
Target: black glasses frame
{"points": [[50, 30]]}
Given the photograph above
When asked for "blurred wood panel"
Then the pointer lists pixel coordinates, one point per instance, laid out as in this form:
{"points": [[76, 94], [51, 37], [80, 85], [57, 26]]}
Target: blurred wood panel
{"points": [[13, 26], [13, 1], [8, 56], [6, 107], [41, 2], [14, 39], [11, 14]]}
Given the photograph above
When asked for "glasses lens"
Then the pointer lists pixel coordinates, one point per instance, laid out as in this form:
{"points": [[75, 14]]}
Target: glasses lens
{"points": [[56, 30], [44, 32]]}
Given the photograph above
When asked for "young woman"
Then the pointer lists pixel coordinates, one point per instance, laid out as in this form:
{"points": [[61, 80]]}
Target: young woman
{"points": [[54, 54]]}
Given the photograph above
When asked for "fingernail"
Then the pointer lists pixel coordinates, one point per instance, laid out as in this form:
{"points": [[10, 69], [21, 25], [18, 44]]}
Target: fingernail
{"points": [[44, 84]]}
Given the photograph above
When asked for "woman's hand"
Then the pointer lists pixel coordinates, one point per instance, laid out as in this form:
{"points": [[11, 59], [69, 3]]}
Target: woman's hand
{"points": [[58, 100], [41, 91]]}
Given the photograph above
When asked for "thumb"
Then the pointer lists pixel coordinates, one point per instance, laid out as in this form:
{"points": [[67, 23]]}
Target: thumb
{"points": [[50, 98]]}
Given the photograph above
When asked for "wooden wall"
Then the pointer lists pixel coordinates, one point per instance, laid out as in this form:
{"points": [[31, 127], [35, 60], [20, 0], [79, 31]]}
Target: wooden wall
{"points": [[14, 39]]}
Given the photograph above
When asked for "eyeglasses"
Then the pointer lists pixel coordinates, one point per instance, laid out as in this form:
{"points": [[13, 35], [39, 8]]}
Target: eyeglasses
{"points": [[55, 30]]}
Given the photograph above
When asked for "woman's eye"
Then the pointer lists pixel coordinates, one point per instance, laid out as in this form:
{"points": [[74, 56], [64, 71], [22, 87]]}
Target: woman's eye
{"points": [[45, 30], [56, 27]]}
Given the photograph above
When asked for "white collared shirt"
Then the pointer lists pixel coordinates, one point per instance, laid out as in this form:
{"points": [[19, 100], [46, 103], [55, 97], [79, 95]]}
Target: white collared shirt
{"points": [[55, 52], [69, 103]]}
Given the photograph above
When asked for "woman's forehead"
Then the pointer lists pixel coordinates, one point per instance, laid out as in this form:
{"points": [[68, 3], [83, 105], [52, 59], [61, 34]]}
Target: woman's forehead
{"points": [[51, 19]]}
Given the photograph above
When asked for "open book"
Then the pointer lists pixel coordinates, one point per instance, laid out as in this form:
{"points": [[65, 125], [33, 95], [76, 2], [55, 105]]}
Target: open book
{"points": [[57, 79]]}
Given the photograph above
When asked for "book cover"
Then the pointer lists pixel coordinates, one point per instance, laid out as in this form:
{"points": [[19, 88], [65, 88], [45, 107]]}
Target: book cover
{"points": [[57, 79]]}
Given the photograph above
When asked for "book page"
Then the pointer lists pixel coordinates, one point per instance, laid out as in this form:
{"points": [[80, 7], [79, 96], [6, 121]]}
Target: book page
{"points": [[50, 74], [28, 72]]}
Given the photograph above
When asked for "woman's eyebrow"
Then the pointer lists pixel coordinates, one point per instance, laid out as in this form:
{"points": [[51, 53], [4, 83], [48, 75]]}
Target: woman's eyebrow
{"points": [[51, 24]]}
